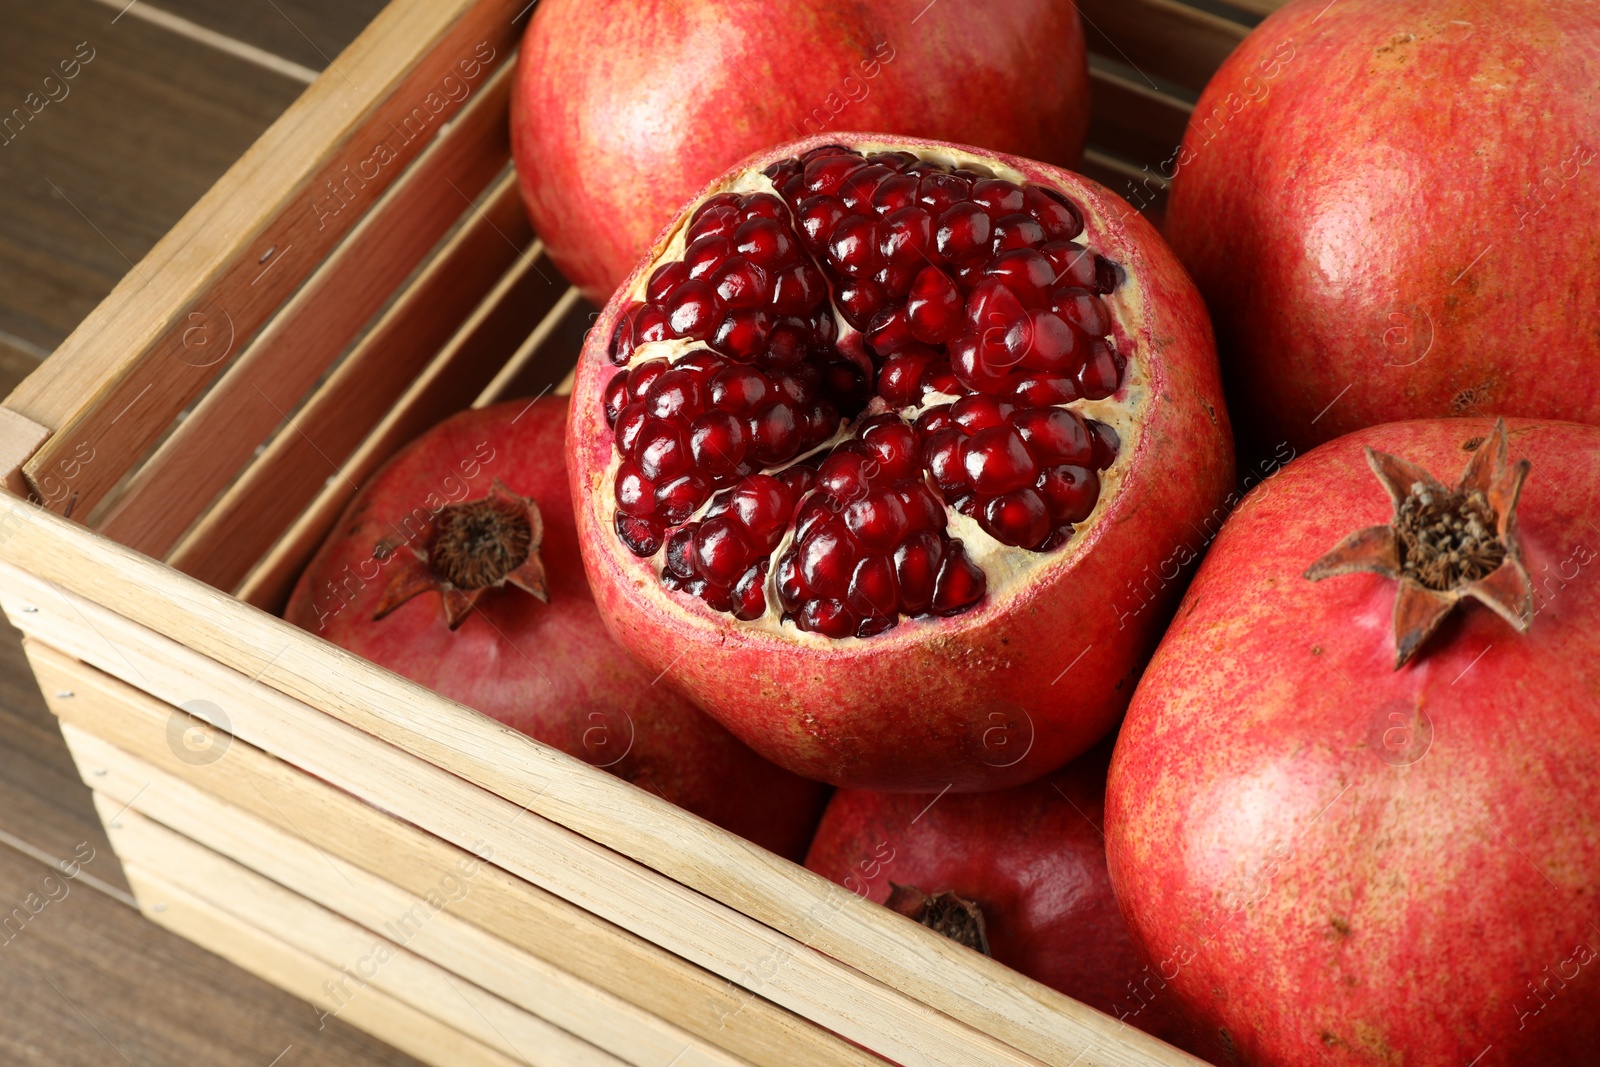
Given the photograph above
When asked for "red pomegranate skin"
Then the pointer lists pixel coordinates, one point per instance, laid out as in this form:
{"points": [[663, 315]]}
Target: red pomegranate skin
{"points": [[621, 111], [1326, 878], [1389, 209], [1031, 857], [548, 670], [1015, 687]]}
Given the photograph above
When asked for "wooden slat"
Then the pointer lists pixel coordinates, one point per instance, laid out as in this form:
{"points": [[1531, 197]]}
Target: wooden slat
{"points": [[431, 930], [1132, 120], [529, 846], [448, 384], [117, 383], [381, 962], [1144, 189], [534, 352], [278, 484], [245, 945], [270, 378], [540, 783], [514, 911], [1257, 7], [1163, 40]]}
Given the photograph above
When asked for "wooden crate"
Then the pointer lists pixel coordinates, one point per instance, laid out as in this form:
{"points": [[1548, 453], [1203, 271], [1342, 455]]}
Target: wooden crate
{"points": [[400, 861]]}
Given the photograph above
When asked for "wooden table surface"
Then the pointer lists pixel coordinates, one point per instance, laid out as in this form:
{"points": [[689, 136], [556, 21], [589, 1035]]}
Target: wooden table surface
{"points": [[93, 170]]}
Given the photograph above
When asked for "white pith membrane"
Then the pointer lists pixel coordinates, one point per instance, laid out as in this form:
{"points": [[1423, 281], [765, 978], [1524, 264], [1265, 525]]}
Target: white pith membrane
{"points": [[1006, 567]]}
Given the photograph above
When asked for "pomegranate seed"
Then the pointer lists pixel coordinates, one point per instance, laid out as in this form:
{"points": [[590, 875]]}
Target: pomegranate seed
{"points": [[645, 375], [1082, 308], [859, 300], [1106, 444], [938, 191], [916, 566], [1069, 492], [878, 522], [774, 434], [984, 365], [1043, 342], [895, 446], [786, 344], [997, 461], [701, 364], [893, 160], [1055, 213], [693, 310], [799, 480], [826, 174], [847, 476], [974, 413], [763, 504], [860, 186], [739, 283], [873, 593], [767, 242], [742, 334], [673, 394], [713, 204], [959, 584], [962, 230], [701, 258], [1054, 435], [888, 331], [750, 595], [616, 396], [635, 495], [762, 206], [932, 420], [827, 617], [827, 558], [721, 551], [791, 590], [680, 553], [1016, 232], [1027, 274], [998, 197], [895, 193], [661, 451], [942, 455], [677, 499], [650, 324], [819, 216], [923, 509], [1102, 371], [1042, 390], [1075, 264], [1017, 518], [622, 337], [630, 424], [907, 237], [853, 246], [798, 289], [739, 389], [641, 536], [934, 307], [941, 378], [717, 442], [992, 306], [900, 380]]}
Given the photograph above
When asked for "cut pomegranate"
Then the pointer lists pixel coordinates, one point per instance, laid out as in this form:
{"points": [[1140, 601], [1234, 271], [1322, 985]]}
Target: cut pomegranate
{"points": [[965, 364]]}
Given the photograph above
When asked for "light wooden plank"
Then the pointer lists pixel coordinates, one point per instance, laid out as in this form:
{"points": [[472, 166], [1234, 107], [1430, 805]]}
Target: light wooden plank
{"points": [[271, 376], [514, 911], [427, 924], [449, 383], [115, 385], [1162, 40], [163, 902], [372, 958], [20, 438], [527, 845], [278, 485], [540, 783]]}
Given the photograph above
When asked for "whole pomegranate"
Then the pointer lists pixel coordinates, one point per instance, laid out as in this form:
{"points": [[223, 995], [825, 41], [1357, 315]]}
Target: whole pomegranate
{"points": [[457, 566], [1389, 208], [891, 455], [1332, 860], [621, 111], [1018, 874]]}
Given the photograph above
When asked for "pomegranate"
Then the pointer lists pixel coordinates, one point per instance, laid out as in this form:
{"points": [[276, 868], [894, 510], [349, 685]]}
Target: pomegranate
{"points": [[622, 111], [1371, 256], [457, 566], [1332, 859], [890, 456], [1018, 874]]}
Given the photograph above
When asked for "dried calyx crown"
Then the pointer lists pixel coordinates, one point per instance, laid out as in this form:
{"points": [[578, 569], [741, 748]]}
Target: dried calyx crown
{"points": [[955, 917], [1443, 544], [472, 547]]}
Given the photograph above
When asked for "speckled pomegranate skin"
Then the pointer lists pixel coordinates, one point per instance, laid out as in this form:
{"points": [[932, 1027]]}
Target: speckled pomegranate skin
{"points": [[1389, 207], [1325, 876], [1013, 688], [622, 110], [548, 670], [1032, 858]]}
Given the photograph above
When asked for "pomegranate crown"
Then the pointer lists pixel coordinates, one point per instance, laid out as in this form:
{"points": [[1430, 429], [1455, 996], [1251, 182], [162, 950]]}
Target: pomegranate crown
{"points": [[1443, 545]]}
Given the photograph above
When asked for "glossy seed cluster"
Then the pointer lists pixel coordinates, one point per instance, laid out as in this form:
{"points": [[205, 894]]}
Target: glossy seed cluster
{"points": [[955, 284]]}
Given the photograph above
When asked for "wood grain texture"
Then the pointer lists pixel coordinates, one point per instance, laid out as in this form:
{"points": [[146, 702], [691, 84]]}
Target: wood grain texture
{"points": [[92, 181], [746, 890], [1162, 40], [246, 946], [165, 332], [309, 32], [270, 378], [519, 913], [88, 983]]}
